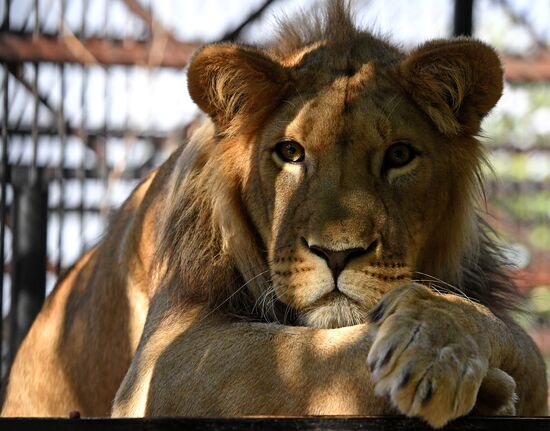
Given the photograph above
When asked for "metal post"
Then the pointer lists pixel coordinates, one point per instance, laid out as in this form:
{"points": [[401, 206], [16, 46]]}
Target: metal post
{"points": [[4, 183], [30, 221], [84, 136], [34, 162], [62, 149], [463, 17]]}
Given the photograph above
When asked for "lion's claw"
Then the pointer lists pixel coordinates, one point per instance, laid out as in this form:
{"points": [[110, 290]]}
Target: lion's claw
{"points": [[422, 358]]}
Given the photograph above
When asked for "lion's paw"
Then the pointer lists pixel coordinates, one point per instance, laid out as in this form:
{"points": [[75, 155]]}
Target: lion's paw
{"points": [[423, 357], [497, 395]]}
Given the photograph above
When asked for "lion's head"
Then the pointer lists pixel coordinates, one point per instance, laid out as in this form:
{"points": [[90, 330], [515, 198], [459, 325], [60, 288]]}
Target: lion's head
{"points": [[336, 167]]}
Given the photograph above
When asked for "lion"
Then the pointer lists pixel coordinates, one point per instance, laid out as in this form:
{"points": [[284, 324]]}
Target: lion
{"points": [[315, 248]]}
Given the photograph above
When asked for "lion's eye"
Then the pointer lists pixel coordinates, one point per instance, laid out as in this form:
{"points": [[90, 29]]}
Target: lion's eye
{"points": [[290, 151], [399, 155]]}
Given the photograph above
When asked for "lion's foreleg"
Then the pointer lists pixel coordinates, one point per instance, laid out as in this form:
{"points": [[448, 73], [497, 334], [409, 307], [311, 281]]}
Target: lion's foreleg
{"points": [[212, 366], [524, 363]]}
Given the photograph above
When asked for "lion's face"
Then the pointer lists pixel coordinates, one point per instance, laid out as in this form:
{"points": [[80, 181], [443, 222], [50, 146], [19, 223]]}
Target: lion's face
{"points": [[350, 168], [350, 185]]}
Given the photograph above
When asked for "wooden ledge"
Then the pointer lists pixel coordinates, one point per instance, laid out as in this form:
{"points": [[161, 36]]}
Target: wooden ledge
{"points": [[273, 424]]}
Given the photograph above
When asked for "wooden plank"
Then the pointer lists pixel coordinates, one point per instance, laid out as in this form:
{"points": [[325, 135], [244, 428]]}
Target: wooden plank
{"points": [[94, 50], [524, 69], [175, 54], [273, 424], [154, 26]]}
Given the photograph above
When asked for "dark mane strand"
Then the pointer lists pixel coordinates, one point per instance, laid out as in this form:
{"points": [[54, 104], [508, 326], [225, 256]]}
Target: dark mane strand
{"points": [[486, 276]]}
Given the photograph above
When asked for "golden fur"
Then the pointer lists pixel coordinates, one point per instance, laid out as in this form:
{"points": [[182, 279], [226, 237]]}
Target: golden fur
{"points": [[215, 264]]}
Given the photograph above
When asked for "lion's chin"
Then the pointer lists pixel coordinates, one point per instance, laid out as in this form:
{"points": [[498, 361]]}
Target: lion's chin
{"points": [[334, 310]]}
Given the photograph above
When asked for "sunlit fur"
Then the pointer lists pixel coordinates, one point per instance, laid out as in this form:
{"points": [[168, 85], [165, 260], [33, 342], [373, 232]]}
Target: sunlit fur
{"points": [[218, 238]]}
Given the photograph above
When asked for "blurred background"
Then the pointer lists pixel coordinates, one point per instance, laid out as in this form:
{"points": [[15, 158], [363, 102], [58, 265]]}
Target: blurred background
{"points": [[93, 95]]}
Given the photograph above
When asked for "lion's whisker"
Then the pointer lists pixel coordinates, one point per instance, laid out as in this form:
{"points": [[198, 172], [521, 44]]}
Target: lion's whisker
{"points": [[453, 288], [432, 284], [288, 309], [267, 304], [233, 294], [272, 302], [259, 300]]}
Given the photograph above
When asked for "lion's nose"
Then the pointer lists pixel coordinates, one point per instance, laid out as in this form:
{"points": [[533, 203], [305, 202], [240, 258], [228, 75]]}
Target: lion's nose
{"points": [[337, 260]]}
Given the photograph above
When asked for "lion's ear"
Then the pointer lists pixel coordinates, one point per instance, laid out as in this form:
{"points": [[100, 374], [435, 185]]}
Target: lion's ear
{"points": [[456, 82], [235, 84]]}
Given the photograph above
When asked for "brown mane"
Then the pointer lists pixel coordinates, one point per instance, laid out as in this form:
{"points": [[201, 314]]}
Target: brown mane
{"points": [[195, 247]]}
